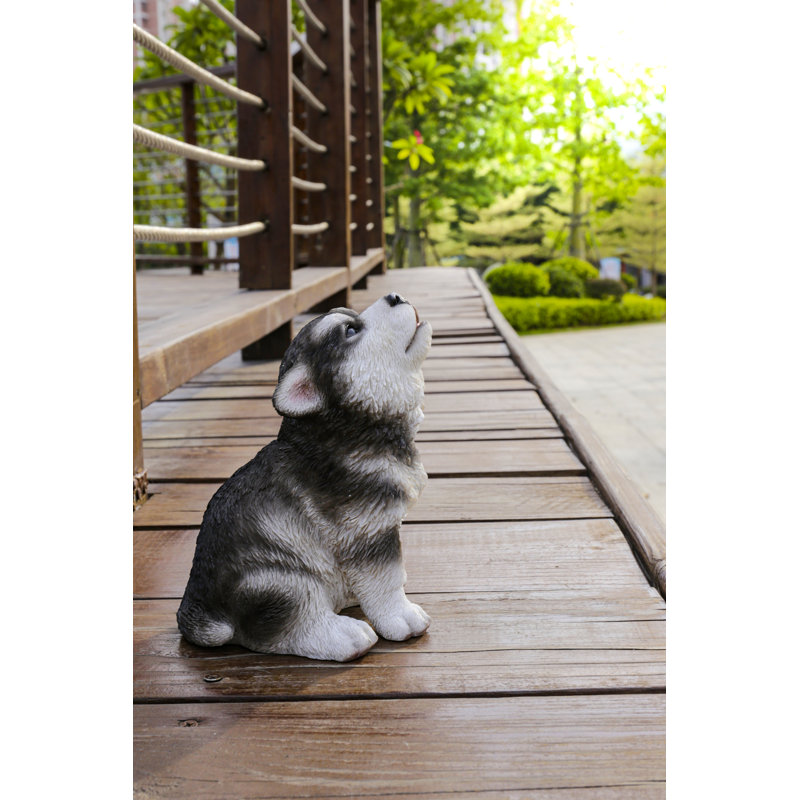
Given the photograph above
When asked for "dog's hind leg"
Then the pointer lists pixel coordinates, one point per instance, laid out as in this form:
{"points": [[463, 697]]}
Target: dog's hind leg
{"points": [[202, 628], [298, 618]]}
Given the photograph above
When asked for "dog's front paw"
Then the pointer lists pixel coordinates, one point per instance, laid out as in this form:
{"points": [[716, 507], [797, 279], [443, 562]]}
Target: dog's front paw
{"points": [[406, 622], [348, 639]]}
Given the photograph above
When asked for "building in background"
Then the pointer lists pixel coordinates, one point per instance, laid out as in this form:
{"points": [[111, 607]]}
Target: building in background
{"points": [[154, 16]]}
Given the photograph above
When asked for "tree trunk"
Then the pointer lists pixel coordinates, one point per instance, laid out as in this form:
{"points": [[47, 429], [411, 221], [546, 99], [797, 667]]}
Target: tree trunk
{"points": [[577, 240], [415, 257]]}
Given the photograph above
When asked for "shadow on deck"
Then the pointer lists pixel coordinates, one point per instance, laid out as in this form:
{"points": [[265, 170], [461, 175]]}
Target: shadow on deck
{"points": [[544, 667]]}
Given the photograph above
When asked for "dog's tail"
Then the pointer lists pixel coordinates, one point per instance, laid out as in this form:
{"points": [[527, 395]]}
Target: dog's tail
{"points": [[202, 628]]}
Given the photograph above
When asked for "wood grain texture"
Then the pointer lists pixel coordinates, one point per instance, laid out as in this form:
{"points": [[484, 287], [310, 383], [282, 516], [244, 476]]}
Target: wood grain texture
{"points": [[641, 524], [444, 499], [580, 556], [440, 459], [420, 747], [543, 672]]}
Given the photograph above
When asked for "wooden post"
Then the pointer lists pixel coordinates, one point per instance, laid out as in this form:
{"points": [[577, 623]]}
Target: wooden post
{"points": [[375, 236], [358, 91], [332, 128], [139, 472], [266, 259], [196, 249]]}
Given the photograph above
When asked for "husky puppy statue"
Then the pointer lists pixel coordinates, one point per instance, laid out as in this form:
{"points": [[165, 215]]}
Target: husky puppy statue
{"points": [[312, 524]]}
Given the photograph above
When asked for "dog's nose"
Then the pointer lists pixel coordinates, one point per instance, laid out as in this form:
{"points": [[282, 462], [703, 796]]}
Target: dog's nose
{"points": [[394, 299]]}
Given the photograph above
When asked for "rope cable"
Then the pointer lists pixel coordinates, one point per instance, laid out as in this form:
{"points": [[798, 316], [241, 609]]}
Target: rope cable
{"points": [[304, 230], [233, 22], [188, 67], [301, 137], [308, 186], [312, 17], [306, 48], [159, 141], [302, 89], [153, 233]]}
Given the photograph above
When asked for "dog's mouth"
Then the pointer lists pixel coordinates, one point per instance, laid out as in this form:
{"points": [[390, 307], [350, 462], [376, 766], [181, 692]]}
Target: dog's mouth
{"points": [[416, 329]]}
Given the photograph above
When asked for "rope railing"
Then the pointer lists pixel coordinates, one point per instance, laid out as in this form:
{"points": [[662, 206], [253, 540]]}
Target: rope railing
{"points": [[188, 67], [308, 186], [154, 233], [305, 230], [307, 141], [307, 94], [268, 75], [233, 22], [312, 17], [161, 142], [309, 53]]}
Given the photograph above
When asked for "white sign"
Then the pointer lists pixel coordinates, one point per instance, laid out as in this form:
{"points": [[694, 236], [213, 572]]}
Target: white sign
{"points": [[610, 268]]}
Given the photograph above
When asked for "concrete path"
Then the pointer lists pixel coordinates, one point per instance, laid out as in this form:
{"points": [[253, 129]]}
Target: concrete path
{"points": [[616, 378]]}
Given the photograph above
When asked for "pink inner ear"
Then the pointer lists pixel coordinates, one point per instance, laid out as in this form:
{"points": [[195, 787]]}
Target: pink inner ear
{"points": [[302, 391]]}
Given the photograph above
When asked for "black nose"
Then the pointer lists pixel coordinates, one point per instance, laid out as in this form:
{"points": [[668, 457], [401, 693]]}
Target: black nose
{"points": [[394, 299]]}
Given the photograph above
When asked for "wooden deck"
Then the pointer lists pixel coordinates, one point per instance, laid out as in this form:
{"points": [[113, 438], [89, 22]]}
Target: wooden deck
{"points": [[543, 672]]}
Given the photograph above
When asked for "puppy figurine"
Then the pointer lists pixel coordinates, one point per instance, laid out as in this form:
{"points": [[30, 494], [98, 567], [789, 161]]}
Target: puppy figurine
{"points": [[312, 524]]}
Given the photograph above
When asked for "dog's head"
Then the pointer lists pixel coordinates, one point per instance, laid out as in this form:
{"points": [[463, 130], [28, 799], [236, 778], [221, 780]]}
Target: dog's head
{"points": [[368, 363]]}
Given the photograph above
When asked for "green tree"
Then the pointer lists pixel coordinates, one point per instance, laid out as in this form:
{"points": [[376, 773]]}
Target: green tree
{"points": [[637, 231], [580, 118], [463, 106]]}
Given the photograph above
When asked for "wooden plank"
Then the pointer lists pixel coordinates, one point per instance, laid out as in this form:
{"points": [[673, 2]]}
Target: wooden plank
{"points": [[233, 408], [499, 643], [176, 349], [641, 524], [578, 556], [499, 435], [444, 499], [264, 390], [336, 749], [442, 369], [269, 425], [440, 459]]}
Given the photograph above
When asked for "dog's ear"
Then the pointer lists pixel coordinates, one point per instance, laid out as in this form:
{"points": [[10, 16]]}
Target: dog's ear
{"points": [[296, 395]]}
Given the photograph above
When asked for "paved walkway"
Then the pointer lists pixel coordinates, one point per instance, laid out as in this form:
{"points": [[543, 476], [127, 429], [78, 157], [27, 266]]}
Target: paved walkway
{"points": [[616, 378]]}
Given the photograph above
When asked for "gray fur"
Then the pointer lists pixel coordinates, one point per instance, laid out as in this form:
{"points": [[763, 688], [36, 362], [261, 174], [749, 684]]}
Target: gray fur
{"points": [[312, 523]]}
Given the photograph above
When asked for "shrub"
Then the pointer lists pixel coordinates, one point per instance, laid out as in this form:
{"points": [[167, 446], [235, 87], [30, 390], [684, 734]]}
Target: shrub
{"points": [[629, 281], [605, 288], [577, 266], [661, 291], [544, 313], [564, 283], [518, 279]]}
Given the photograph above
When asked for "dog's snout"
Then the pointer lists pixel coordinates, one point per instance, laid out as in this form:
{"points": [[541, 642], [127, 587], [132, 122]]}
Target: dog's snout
{"points": [[394, 299]]}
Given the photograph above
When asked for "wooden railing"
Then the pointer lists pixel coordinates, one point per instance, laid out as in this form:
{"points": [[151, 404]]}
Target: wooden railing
{"points": [[309, 177]]}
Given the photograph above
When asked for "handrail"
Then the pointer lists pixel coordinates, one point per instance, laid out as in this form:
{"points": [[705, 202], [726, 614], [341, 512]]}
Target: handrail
{"points": [[233, 22], [307, 175], [175, 59]]}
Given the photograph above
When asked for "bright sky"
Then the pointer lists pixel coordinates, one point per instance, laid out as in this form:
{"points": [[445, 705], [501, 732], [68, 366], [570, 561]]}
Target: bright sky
{"points": [[626, 33]]}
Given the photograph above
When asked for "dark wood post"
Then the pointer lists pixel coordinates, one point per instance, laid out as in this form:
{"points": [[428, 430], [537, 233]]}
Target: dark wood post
{"points": [[266, 259], [196, 249], [331, 128], [375, 235], [139, 473], [360, 100]]}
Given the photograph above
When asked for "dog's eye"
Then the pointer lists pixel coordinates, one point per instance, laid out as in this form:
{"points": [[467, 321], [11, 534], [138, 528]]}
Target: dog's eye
{"points": [[351, 330]]}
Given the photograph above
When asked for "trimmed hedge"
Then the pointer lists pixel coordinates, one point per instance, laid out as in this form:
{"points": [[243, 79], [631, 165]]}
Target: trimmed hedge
{"points": [[565, 284], [605, 289], [577, 266], [518, 279], [544, 313]]}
